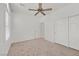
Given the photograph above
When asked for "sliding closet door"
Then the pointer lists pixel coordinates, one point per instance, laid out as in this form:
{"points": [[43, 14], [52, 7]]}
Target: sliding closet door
{"points": [[61, 31], [74, 32]]}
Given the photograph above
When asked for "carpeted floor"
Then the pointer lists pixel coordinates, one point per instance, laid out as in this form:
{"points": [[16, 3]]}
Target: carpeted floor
{"points": [[40, 47]]}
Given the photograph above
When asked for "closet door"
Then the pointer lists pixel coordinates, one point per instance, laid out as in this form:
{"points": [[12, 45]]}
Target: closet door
{"points": [[61, 31], [74, 32]]}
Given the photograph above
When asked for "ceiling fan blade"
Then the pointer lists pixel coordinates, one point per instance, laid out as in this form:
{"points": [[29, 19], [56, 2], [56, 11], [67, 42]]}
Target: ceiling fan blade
{"points": [[40, 5], [36, 13], [47, 9], [43, 13], [32, 10]]}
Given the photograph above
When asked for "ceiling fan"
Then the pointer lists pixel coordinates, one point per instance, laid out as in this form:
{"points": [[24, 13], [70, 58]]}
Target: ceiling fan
{"points": [[40, 9]]}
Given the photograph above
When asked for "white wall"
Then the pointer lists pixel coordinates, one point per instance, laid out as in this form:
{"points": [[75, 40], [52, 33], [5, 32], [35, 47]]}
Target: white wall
{"points": [[61, 16], [25, 26], [2, 39], [4, 44]]}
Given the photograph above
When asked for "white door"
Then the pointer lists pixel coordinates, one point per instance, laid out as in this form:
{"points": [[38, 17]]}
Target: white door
{"points": [[42, 29], [74, 32], [61, 31], [49, 31]]}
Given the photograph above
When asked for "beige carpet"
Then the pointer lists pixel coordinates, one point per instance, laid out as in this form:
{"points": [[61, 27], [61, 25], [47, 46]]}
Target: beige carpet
{"points": [[40, 47]]}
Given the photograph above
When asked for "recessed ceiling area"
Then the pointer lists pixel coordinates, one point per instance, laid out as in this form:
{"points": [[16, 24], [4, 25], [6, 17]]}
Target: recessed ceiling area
{"points": [[23, 7]]}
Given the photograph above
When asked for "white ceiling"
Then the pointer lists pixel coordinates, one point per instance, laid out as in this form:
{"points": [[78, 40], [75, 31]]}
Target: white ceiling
{"points": [[16, 7]]}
